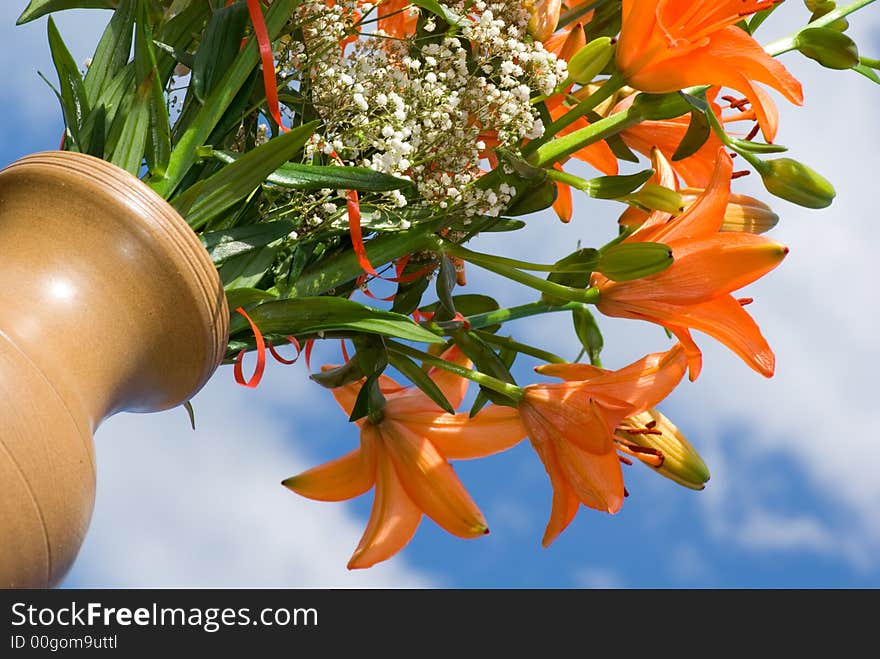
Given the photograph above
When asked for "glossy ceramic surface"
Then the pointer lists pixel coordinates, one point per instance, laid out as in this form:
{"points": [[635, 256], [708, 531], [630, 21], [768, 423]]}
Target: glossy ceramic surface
{"points": [[108, 302]]}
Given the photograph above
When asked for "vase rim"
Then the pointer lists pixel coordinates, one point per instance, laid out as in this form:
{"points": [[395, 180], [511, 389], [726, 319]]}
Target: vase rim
{"points": [[168, 231]]}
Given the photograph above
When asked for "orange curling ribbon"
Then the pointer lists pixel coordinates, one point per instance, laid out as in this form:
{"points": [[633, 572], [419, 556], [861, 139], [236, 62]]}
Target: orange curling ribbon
{"points": [[261, 357], [282, 360], [268, 60]]}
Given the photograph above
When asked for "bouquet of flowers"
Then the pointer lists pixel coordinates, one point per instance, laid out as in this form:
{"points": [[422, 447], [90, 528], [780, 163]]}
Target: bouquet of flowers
{"points": [[319, 148]]}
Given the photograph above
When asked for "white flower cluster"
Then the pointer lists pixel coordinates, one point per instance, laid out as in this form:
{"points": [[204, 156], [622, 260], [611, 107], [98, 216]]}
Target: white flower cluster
{"points": [[426, 108]]}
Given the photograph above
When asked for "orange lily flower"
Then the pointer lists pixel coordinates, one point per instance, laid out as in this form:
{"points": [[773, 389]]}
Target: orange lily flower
{"points": [[405, 457], [571, 426], [743, 213], [543, 17], [673, 44], [395, 19], [695, 291], [695, 170]]}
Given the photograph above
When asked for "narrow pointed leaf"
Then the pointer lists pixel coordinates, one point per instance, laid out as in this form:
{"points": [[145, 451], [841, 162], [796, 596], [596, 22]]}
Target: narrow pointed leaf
{"points": [[113, 50], [299, 316], [38, 8], [211, 196], [223, 245], [218, 48], [74, 101], [421, 379]]}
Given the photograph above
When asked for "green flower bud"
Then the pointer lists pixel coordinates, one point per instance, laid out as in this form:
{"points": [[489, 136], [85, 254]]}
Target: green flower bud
{"points": [[626, 261], [797, 183], [832, 49], [655, 197], [590, 60], [664, 448]]}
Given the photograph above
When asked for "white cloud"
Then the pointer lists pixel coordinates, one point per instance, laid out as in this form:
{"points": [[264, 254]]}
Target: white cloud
{"points": [[206, 508]]}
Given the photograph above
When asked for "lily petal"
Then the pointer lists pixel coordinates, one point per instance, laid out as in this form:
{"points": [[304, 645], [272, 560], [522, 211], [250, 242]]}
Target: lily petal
{"points": [[567, 411], [702, 218], [340, 479], [394, 519], [431, 483], [565, 503], [460, 437], [597, 480]]}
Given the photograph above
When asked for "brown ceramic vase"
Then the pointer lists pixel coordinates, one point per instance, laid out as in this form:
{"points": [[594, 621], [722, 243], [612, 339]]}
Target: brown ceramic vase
{"points": [[108, 302]]}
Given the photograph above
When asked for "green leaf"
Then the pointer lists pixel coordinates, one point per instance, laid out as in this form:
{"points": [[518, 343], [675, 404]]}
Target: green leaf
{"points": [[309, 315], [314, 177], [659, 107], [244, 297], [178, 34], [491, 225], [440, 10], [298, 176], [507, 358], [112, 52], [74, 101], [213, 195], [483, 356], [620, 149], [218, 48], [246, 270], [94, 132], [223, 245], [184, 155], [369, 401], [191, 413], [39, 8], [445, 309], [421, 379], [341, 375], [116, 100], [534, 199], [158, 144], [409, 293], [697, 133], [128, 150]]}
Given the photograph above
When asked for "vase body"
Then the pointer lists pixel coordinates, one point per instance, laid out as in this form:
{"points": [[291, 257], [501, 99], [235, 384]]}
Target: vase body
{"points": [[108, 303]]}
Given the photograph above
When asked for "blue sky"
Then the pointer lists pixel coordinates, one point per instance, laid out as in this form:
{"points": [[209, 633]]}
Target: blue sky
{"points": [[793, 498]]}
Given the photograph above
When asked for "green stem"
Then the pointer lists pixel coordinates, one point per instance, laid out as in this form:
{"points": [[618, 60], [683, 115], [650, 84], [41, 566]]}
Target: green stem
{"points": [[871, 63], [503, 388], [507, 342], [341, 268], [562, 147], [788, 43], [576, 182], [585, 296], [500, 316], [756, 162], [609, 87]]}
